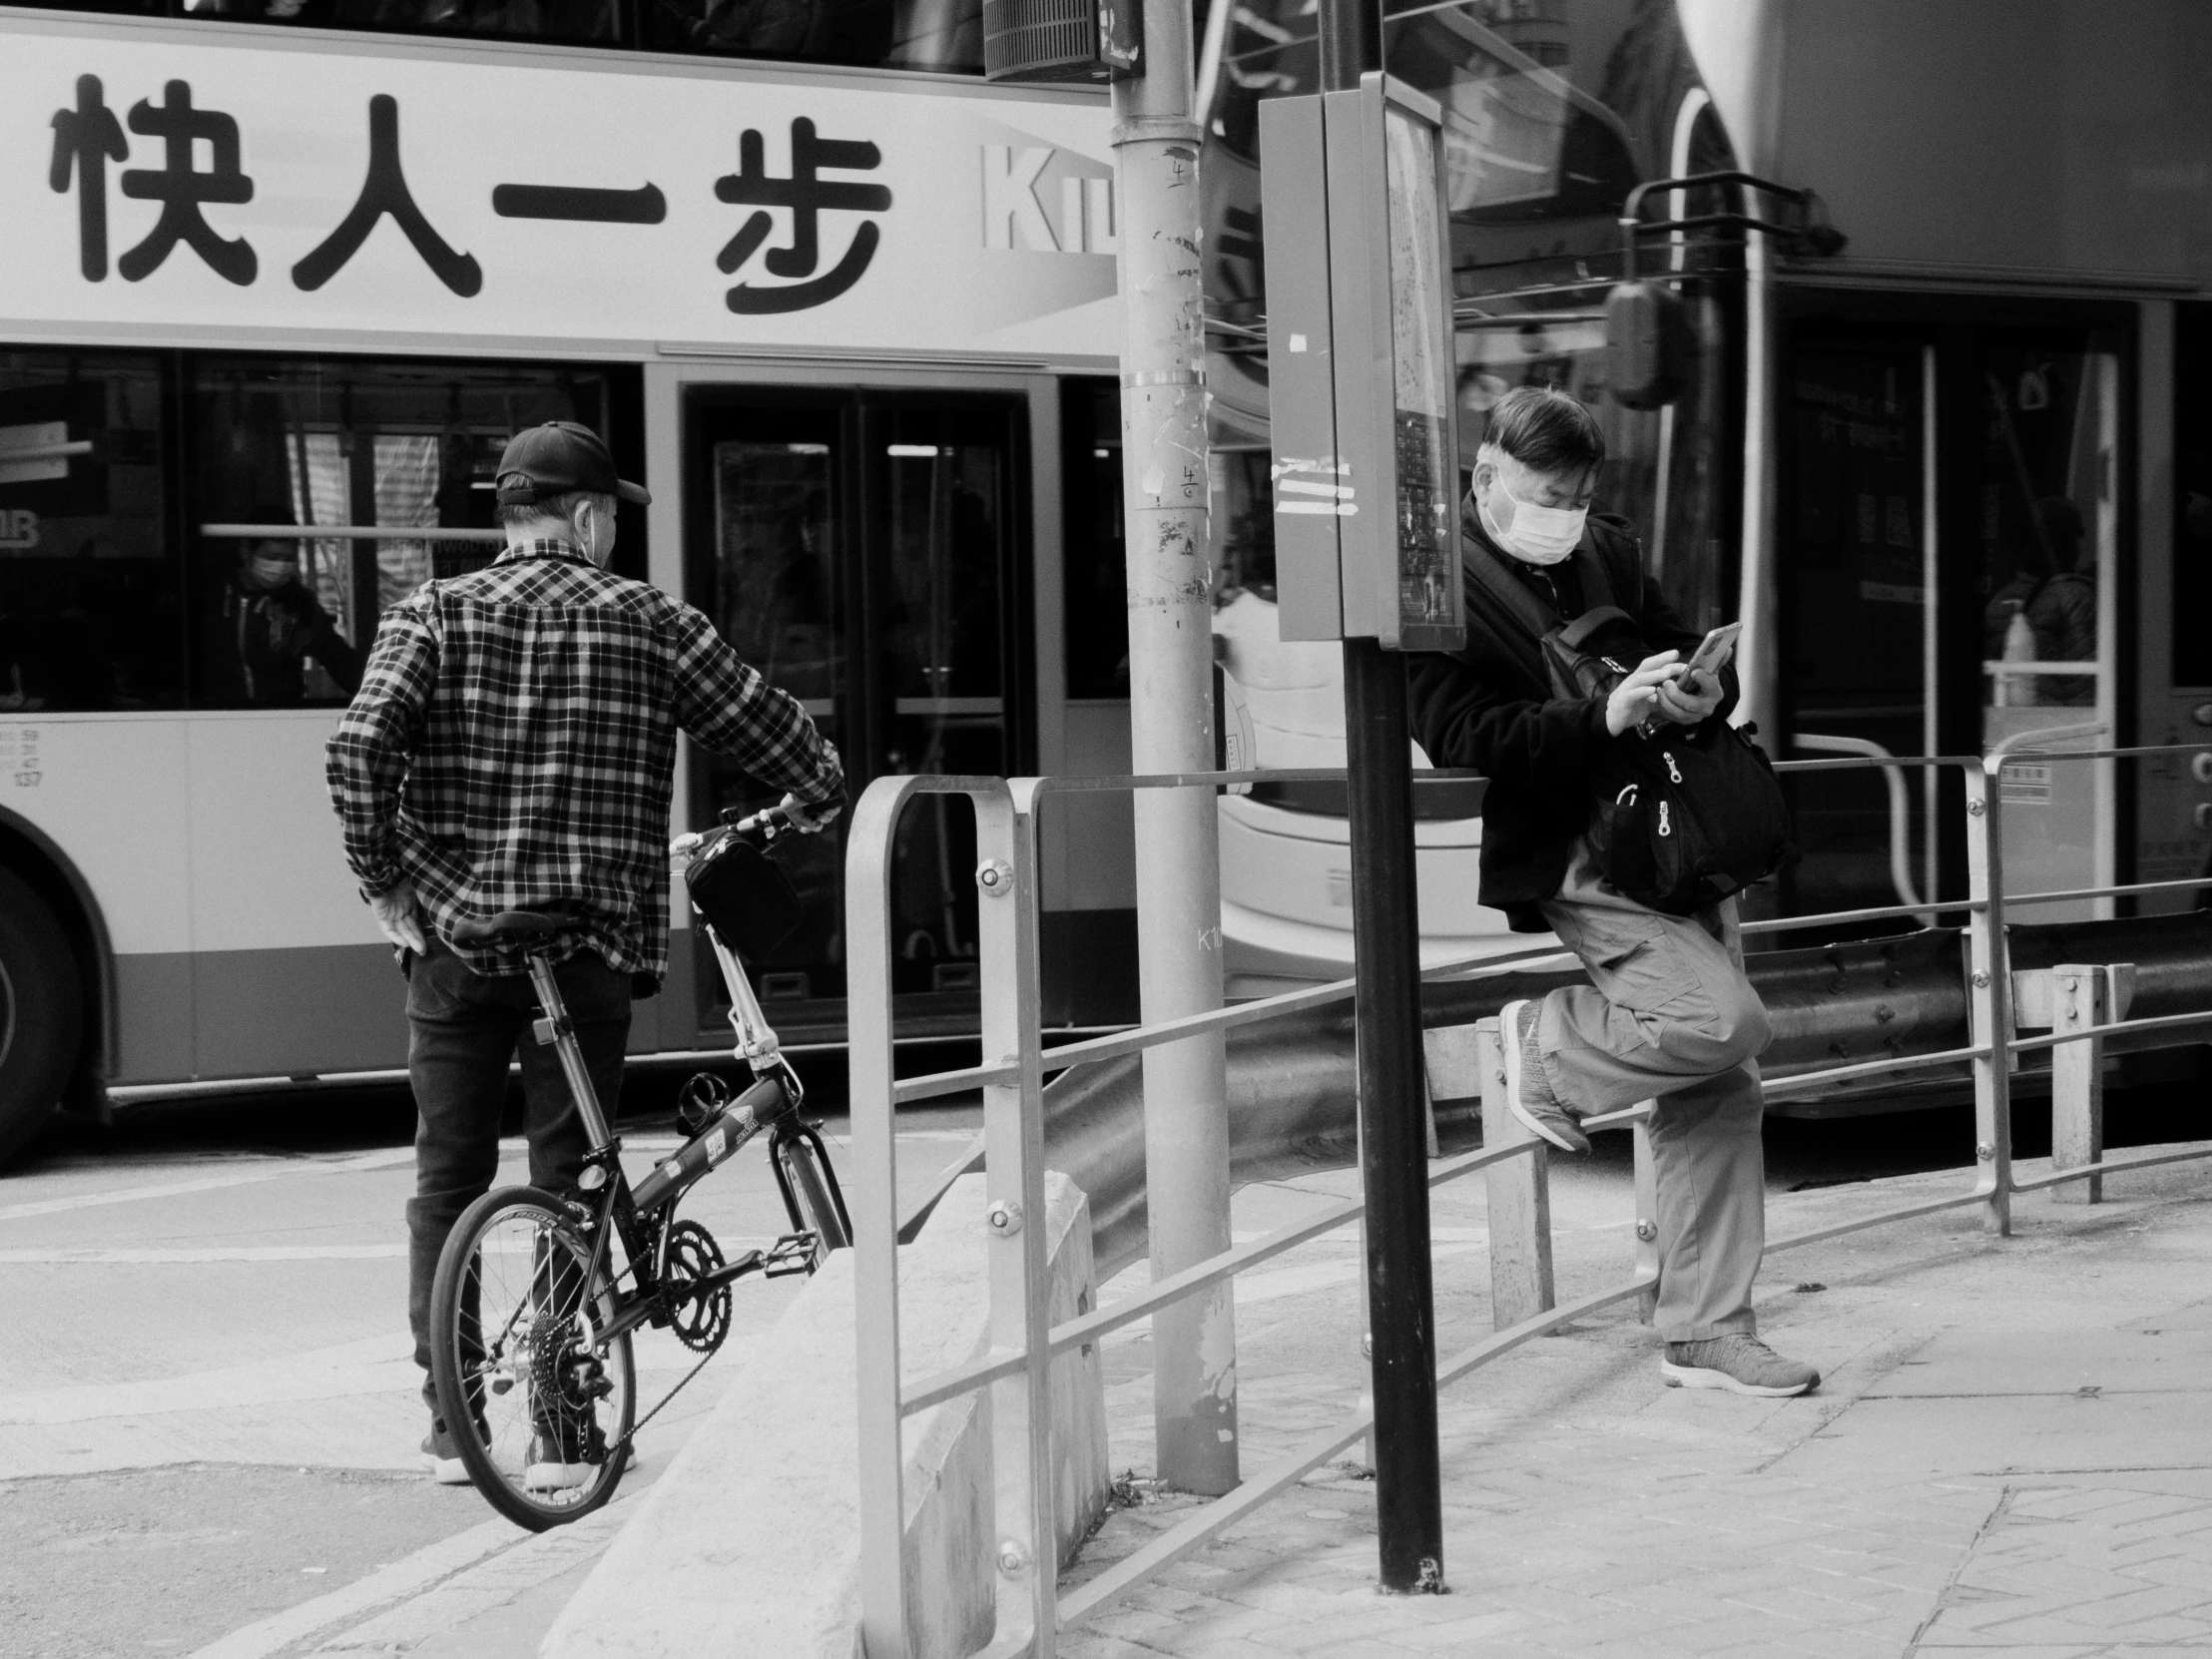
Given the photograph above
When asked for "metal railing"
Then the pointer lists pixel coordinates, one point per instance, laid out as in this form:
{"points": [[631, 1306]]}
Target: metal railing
{"points": [[1031, 1611]]}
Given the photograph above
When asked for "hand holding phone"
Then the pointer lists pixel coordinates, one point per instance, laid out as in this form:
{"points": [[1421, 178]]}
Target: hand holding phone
{"points": [[1713, 653]]}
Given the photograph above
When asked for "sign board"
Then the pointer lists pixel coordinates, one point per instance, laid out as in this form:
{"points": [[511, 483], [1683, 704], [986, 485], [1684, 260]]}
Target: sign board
{"points": [[1360, 367], [190, 175]]}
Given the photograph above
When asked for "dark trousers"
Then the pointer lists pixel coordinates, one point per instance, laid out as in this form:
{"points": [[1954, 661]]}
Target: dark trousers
{"points": [[463, 1028]]}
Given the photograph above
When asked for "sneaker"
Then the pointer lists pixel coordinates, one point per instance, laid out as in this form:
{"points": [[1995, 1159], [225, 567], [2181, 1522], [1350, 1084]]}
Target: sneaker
{"points": [[442, 1457], [1527, 1091], [1742, 1365], [553, 1467], [559, 1463]]}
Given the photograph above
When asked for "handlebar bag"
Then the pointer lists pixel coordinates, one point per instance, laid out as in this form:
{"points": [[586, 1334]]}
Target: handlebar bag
{"points": [[744, 896]]}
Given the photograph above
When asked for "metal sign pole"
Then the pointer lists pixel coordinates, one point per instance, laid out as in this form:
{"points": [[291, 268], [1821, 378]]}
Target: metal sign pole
{"points": [[1387, 944], [1165, 506]]}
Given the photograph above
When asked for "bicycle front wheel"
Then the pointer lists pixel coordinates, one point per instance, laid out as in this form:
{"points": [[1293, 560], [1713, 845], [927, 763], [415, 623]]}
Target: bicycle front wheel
{"points": [[535, 1397]]}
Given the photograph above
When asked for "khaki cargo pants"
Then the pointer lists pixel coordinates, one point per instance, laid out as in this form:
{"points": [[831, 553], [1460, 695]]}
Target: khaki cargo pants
{"points": [[1668, 1013]]}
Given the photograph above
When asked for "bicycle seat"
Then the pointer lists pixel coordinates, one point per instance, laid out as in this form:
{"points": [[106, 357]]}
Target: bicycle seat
{"points": [[510, 928]]}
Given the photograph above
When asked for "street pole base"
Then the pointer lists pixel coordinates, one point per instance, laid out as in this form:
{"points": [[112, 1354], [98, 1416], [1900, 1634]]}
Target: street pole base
{"points": [[1429, 1580]]}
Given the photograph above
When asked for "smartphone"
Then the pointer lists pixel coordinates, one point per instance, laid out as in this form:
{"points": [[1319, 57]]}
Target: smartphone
{"points": [[1712, 655]]}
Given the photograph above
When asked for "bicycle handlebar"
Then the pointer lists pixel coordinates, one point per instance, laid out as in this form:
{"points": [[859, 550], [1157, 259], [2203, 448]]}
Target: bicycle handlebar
{"points": [[761, 829]]}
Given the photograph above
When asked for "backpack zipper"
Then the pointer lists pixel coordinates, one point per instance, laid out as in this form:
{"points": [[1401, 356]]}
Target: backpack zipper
{"points": [[1665, 829], [1673, 771]]}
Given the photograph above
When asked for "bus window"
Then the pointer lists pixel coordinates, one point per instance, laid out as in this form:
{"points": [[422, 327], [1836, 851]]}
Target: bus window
{"points": [[395, 459], [557, 20], [90, 607], [944, 35], [1524, 145], [895, 34]]}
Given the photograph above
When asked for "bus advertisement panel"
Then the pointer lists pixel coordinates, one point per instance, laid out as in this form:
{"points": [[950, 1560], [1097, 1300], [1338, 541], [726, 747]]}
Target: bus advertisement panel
{"points": [[178, 182]]}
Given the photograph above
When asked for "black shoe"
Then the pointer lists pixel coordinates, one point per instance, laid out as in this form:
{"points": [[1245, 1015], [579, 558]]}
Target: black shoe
{"points": [[562, 1459]]}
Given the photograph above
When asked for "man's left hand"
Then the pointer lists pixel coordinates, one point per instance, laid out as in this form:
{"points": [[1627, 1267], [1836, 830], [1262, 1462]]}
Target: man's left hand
{"points": [[1690, 699]]}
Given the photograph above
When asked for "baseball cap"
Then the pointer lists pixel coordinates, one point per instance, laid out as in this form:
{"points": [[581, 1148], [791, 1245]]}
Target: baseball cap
{"points": [[560, 456]]}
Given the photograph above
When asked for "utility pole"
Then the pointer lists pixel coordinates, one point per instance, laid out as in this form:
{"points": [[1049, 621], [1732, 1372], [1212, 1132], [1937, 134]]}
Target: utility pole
{"points": [[1385, 932], [1165, 502]]}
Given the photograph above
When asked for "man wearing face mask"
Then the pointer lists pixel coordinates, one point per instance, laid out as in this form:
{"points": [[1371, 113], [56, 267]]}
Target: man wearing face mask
{"points": [[512, 748], [1668, 1013], [269, 626]]}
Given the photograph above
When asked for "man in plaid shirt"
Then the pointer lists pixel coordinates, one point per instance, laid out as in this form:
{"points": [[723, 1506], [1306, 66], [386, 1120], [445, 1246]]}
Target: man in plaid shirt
{"points": [[512, 748]]}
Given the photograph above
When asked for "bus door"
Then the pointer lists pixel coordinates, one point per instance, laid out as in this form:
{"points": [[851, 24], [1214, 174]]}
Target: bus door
{"points": [[868, 553], [1951, 565], [2174, 645]]}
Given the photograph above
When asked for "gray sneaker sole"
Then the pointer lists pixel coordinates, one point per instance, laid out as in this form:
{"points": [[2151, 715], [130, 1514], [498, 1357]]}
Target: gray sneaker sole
{"points": [[567, 1477], [1509, 1041], [446, 1471], [557, 1478], [1704, 1377]]}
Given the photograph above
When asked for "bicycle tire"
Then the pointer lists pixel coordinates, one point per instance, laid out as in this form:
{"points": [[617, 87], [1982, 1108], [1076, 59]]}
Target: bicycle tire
{"points": [[810, 1186], [531, 1405]]}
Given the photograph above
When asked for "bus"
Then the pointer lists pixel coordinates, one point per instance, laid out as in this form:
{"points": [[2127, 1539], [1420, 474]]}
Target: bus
{"points": [[282, 278], [283, 275], [1953, 474]]}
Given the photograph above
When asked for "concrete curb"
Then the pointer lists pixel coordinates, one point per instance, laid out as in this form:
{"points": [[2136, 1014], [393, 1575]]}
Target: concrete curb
{"points": [[748, 1547]]}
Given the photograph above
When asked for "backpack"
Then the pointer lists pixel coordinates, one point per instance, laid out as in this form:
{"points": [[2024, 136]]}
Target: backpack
{"points": [[1683, 816]]}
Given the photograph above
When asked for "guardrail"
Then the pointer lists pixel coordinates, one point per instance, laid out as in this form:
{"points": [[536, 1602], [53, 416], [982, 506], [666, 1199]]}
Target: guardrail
{"points": [[2084, 1005]]}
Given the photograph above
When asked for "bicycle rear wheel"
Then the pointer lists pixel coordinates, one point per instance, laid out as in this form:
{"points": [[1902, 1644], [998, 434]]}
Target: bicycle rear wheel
{"points": [[532, 1395]]}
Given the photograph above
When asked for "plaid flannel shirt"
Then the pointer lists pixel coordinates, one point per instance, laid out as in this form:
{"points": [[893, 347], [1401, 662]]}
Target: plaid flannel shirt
{"points": [[513, 746]]}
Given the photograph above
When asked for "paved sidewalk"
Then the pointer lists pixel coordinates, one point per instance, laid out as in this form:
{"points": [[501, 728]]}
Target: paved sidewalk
{"points": [[2012, 1455]]}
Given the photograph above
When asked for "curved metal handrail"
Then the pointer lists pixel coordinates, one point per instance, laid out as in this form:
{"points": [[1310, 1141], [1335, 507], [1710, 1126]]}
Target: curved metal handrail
{"points": [[1901, 808], [1024, 1339]]}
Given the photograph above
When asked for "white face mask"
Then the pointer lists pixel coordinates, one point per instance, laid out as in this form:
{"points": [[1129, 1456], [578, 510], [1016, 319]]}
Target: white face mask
{"points": [[1540, 535]]}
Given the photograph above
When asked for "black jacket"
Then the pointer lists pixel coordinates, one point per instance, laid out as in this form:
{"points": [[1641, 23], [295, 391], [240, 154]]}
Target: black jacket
{"points": [[1490, 707]]}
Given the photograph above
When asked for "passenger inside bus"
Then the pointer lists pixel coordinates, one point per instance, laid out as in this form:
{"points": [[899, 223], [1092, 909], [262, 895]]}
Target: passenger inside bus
{"points": [[90, 598], [271, 643], [2047, 613]]}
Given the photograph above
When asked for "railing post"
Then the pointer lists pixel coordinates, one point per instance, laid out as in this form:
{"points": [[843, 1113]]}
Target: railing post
{"points": [[2082, 996], [1648, 1213], [1519, 1198], [1990, 994], [1026, 1549], [875, 1216]]}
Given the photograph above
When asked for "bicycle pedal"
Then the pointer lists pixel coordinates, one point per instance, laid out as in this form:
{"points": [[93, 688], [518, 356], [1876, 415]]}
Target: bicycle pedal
{"points": [[794, 1252]]}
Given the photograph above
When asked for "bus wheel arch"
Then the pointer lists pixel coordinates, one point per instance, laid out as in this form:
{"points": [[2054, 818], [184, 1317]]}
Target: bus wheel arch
{"points": [[55, 1054]]}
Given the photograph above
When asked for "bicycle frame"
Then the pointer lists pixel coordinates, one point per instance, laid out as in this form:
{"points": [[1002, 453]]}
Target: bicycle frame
{"points": [[645, 1231]]}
